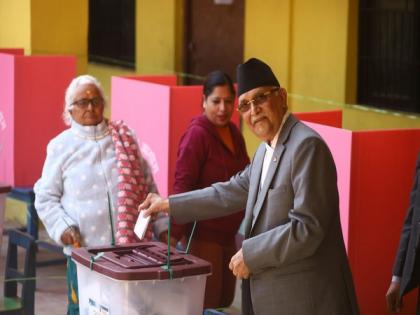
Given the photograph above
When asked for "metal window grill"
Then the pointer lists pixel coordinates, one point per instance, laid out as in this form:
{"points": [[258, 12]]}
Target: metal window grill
{"points": [[388, 74]]}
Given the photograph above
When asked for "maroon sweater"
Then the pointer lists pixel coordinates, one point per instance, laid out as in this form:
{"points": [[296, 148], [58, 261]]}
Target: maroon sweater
{"points": [[203, 159]]}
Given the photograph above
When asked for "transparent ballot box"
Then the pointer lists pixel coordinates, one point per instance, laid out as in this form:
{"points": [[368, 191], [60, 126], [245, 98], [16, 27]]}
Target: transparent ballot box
{"points": [[134, 280]]}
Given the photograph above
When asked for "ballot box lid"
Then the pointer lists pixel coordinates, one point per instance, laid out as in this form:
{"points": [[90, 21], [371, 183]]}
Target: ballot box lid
{"points": [[140, 261]]}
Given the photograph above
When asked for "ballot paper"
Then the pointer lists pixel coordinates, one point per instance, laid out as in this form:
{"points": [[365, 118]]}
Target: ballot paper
{"points": [[141, 225]]}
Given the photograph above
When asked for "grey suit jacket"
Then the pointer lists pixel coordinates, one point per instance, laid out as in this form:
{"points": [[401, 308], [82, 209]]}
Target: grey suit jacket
{"points": [[293, 241]]}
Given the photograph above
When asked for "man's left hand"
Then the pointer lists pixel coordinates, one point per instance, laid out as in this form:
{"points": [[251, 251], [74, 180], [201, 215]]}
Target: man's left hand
{"points": [[238, 267]]}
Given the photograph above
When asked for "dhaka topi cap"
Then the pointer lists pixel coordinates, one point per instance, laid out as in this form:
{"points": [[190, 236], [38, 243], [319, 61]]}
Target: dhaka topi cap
{"points": [[254, 73]]}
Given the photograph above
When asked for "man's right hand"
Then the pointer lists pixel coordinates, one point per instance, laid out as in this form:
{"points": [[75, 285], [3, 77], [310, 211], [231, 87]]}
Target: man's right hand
{"points": [[154, 204], [71, 236], [393, 300]]}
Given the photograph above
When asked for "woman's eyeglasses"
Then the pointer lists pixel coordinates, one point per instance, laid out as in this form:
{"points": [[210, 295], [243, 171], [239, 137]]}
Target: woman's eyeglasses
{"points": [[84, 102], [245, 106]]}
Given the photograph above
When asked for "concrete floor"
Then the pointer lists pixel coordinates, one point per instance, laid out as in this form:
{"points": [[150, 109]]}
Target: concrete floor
{"points": [[50, 295]]}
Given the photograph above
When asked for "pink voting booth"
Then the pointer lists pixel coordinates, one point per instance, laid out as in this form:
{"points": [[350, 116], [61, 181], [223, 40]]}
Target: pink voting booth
{"points": [[159, 111], [375, 176], [31, 102]]}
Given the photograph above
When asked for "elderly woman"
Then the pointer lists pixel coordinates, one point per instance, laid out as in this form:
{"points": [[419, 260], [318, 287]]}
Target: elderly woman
{"points": [[93, 179]]}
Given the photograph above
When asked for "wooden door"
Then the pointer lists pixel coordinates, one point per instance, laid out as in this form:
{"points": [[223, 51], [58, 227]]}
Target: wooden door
{"points": [[214, 37]]}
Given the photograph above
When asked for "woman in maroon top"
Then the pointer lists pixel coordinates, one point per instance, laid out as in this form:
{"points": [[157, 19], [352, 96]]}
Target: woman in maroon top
{"points": [[212, 150]]}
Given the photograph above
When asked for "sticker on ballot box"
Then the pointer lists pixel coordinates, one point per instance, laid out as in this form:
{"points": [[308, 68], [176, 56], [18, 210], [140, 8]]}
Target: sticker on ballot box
{"points": [[97, 309]]}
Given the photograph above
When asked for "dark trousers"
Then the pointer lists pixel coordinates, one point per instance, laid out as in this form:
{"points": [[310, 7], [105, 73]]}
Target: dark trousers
{"points": [[246, 298], [220, 286]]}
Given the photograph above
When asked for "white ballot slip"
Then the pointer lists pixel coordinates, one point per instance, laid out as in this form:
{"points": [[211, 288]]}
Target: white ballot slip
{"points": [[141, 225]]}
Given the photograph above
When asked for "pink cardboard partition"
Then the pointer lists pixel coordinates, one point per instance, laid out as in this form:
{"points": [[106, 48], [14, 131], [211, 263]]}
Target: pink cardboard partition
{"points": [[142, 106], [382, 175], [375, 175], [340, 143], [333, 118], [31, 102], [13, 51], [159, 114], [170, 80]]}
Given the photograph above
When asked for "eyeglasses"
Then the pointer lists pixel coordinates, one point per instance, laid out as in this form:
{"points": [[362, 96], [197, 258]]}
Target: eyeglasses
{"points": [[245, 106], [84, 102]]}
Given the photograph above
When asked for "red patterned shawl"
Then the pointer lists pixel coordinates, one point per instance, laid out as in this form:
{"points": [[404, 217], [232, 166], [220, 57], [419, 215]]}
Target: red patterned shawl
{"points": [[132, 184]]}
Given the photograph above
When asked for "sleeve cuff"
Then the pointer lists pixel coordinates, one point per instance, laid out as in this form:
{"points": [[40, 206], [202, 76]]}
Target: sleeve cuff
{"points": [[62, 225], [160, 225], [396, 279]]}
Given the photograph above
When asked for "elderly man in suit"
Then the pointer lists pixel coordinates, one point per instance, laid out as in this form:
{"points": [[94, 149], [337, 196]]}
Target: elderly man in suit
{"points": [[406, 272], [293, 259]]}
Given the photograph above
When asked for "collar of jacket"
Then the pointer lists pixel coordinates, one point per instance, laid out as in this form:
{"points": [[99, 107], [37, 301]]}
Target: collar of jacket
{"points": [[96, 132]]}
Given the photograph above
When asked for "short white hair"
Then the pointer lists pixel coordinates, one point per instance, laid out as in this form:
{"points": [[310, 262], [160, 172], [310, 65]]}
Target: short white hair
{"points": [[71, 89]]}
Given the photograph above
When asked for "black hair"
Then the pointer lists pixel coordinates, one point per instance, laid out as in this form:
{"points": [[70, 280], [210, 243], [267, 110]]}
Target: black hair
{"points": [[217, 78]]}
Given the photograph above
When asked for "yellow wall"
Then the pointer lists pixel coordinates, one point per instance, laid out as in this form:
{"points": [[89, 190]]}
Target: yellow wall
{"points": [[157, 23], [15, 15], [352, 50], [267, 34], [319, 48], [61, 27], [179, 35], [312, 48], [46, 27]]}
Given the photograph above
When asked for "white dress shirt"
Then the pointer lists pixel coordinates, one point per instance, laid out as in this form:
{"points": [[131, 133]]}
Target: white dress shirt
{"points": [[269, 150]]}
